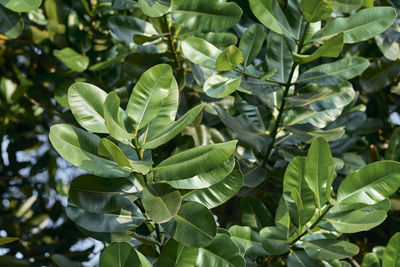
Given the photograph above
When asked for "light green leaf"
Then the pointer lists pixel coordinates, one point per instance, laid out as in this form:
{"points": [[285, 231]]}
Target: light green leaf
{"points": [[330, 249], [331, 48], [148, 95], [270, 14], [220, 85], [86, 103], [206, 16], [391, 256], [251, 43], [155, 139], [274, 241], [11, 24], [370, 184], [80, 149], [297, 194], [248, 239], [155, 8], [319, 159], [21, 5], [316, 10], [346, 6], [114, 119], [333, 73], [119, 252], [229, 58], [299, 258], [161, 202], [371, 260], [194, 161], [279, 57], [393, 151], [200, 52], [218, 193], [72, 59], [194, 225], [361, 26]]}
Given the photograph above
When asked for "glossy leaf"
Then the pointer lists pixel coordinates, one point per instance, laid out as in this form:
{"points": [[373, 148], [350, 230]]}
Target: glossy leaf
{"points": [[254, 213], [200, 52], [21, 5], [80, 149], [176, 254], [161, 202], [279, 57], [220, 85], [218, 193], [318, 161], [114, 119], [361, 26], [270, 14], [274, 241], [316, 10], [86, 103], [330, 249], [371, 260], [251, 43], [206, 16], [120, 254], [370, 184], [391, 256], [194, 225], [11, 24], [248, 239], [72, 59], [154, 8], [300, 258], [155, 139], [229, 58], [346, 5], [148, 95], [194, 161], [379, 75]]}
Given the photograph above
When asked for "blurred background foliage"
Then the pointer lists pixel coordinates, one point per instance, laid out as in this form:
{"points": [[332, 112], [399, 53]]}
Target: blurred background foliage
{"points": [[51, 44]]}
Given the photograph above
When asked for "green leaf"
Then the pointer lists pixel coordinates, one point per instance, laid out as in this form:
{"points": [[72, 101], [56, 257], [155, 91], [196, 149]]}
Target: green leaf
{"points": [[393, 151], [100, 195], [119, 252], [148, 95], [333, 73], [175, 254], [361, 26], [388, 43], [194, 225], [220, 85], [219, 39], [6, 240], [251, 43], [248, 239], [204, 179], [330, 249], [200, 52], [300, 258], [356, 221], [370, 184], [72, 59], [205, 16], [316, 10], [229, 58], [125, 218], [63, 261], [254, 213], [161, 202], [331, 48], [21, 5], [346, 6], [218, 193], [11, 24], [371, 260], [297, 195], [155, 139], [319, 159], [391, 256], [279, 57], [86, 103], [270, 14], [124, 28], [274, 241], [80, 149], [155, 8], [114, 119], [379, 75], [222, 251], [194, 161]]}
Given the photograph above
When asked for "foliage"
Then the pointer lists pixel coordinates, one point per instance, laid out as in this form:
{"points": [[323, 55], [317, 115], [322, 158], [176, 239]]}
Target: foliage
{"points": [[180, 112]]}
